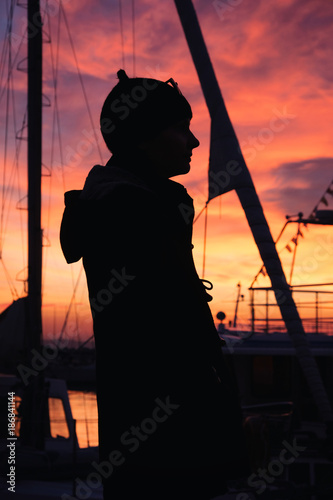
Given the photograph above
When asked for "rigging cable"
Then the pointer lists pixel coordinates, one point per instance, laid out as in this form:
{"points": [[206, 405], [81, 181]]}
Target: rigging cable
{"points": [[205, 241], [23, 37], [99, 151], [121, 33], [133, 37], [328, 190], [122, 38], [200, 213], [55, 126], [70, 305], [81, 79], [8, 90], [56, 129], [12, 63]]}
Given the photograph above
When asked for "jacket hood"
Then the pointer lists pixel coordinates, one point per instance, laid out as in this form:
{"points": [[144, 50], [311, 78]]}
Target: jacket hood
{"points": [[100, 183], [103, 183]]}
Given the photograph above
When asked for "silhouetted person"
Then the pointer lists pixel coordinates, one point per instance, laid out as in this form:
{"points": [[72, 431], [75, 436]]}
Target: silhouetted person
{"points": [[169, 422]]}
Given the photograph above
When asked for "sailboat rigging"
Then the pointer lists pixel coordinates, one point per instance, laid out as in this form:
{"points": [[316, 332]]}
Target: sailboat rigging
{"points": [[24, 354], [227, 171]]}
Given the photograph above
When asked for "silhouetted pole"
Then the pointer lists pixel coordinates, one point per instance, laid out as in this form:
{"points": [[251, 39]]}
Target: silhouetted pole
{"points": [[228, 170], [32, 428], [34, 171]]}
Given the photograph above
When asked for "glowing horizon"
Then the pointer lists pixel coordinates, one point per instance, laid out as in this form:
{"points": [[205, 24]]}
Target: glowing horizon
{"points": [[271, 63]]}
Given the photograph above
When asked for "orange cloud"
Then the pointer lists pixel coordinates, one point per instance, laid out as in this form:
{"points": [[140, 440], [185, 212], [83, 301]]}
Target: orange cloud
{"points": [[271, 62]]}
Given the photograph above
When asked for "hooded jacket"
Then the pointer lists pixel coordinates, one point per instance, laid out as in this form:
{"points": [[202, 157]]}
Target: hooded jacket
{"points": [[165, 397]]}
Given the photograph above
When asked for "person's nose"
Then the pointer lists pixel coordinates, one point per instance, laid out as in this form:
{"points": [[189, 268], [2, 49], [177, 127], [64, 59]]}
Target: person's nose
{"points": [[194, 143]]}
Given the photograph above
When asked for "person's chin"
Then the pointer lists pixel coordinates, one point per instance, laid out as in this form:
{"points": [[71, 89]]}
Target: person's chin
{"points": [[186, 168], [181, 170]]}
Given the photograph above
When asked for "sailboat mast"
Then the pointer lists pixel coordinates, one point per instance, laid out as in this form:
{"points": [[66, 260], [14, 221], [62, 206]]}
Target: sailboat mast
{"points": [[225, 143], [34, 174], [31, 433]]}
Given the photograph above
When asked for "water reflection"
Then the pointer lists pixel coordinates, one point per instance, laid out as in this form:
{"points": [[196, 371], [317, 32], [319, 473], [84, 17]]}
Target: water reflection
{"points": [[84, 410]]}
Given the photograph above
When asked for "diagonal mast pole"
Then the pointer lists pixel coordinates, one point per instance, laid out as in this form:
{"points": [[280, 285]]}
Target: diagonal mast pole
{"points": [[225, 146]]}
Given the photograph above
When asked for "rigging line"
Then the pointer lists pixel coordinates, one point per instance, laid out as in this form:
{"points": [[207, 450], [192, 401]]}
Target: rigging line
{"points": [[92, 337], [56, 121], [81, 79], [294, 253], [70, 304], [4, 174], [14, 60], [75, 305], [17, 155], [311, 215], [313, 212], [200, 213], [133, 37], [53, 127], [205, 241], [56, 107], [322, 196], [121, 33], [6, 38], [9, 188], [10, 282], [18, 143], [328, 190], [4, 49]]}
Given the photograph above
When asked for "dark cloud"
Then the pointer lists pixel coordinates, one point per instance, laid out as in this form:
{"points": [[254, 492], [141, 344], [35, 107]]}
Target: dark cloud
{"points": [[299, 186]]}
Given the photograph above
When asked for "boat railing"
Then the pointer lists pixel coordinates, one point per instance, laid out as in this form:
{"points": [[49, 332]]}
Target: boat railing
{"points": [[314, 306]]}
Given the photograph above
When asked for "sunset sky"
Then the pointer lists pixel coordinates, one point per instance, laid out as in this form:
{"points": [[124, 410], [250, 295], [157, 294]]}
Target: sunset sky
{"points": [[273, 61]]}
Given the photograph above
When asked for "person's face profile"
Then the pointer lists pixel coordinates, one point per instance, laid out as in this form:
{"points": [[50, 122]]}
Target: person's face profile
{"points": [[171, 149]]}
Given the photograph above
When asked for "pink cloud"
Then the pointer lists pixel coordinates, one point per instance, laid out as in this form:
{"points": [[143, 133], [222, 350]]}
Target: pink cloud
{"points": [[268, 57]]}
